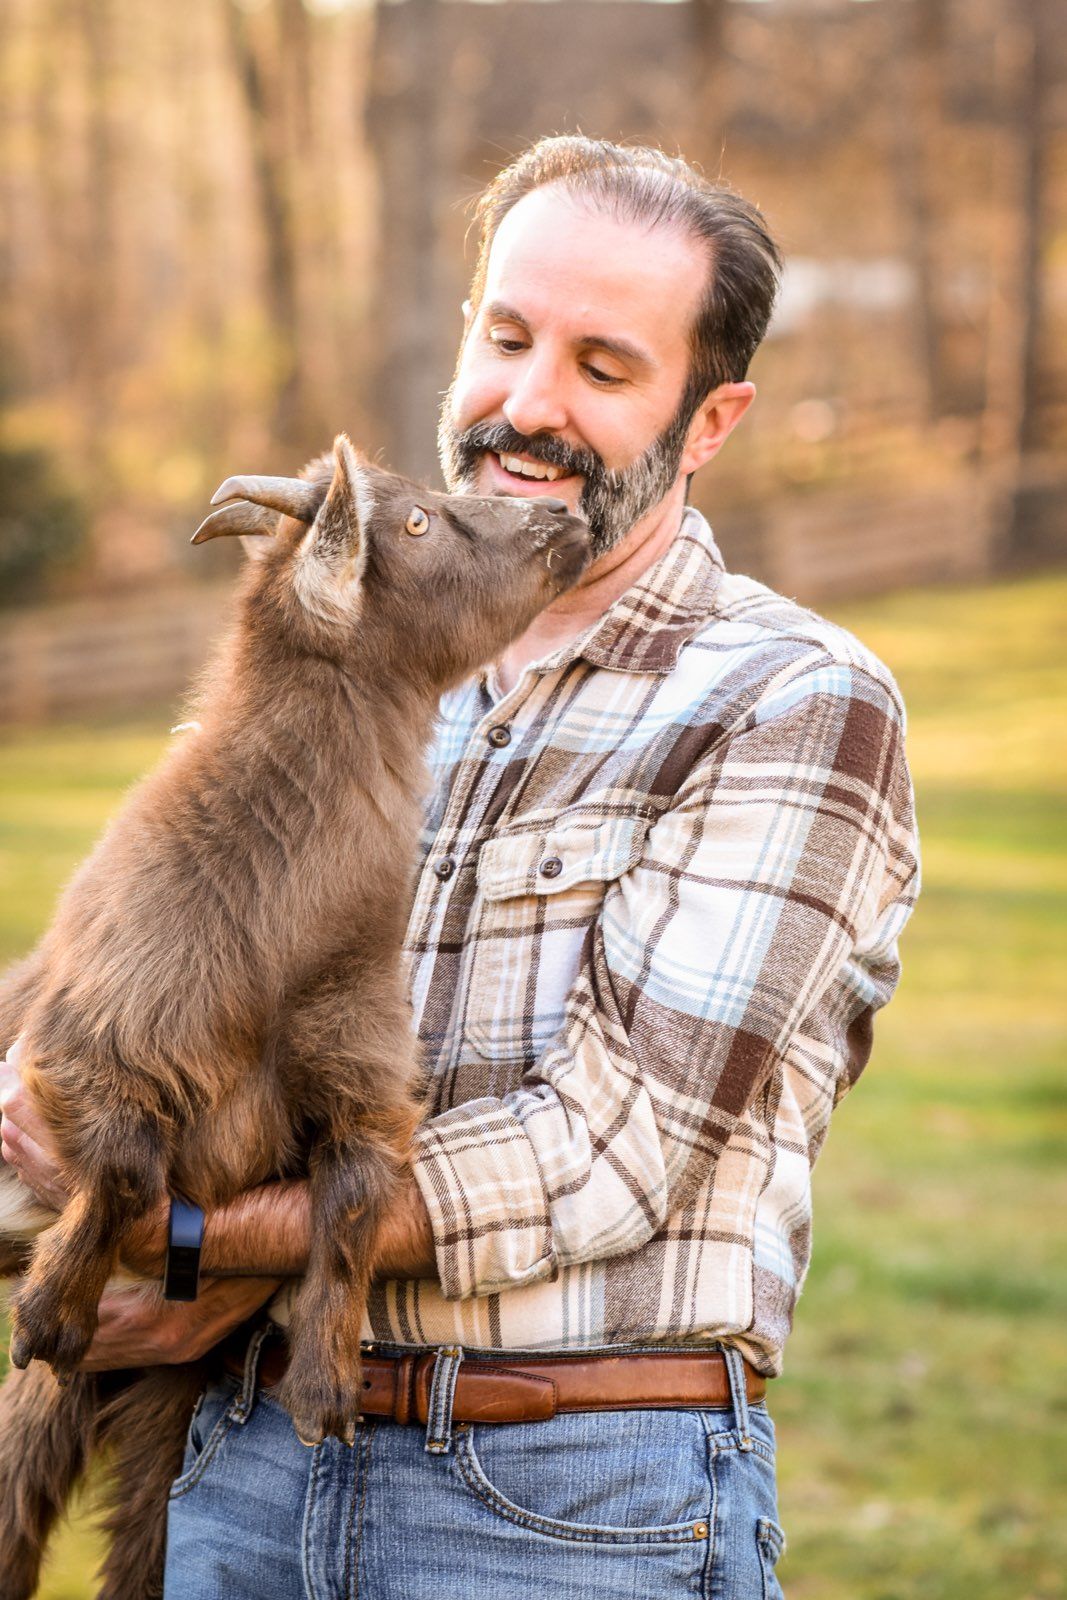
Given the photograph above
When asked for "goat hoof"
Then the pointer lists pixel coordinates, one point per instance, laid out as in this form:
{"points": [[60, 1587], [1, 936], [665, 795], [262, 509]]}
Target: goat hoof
{"points": [[312, 1431], [41, 1331], [21, 1351]]}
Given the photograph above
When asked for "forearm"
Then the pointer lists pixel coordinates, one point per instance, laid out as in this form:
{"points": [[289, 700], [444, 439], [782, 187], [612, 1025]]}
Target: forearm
{"points": [[266, 1232]]}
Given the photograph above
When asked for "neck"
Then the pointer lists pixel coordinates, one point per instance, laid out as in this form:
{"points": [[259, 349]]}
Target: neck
{"points": [[604, 582]]}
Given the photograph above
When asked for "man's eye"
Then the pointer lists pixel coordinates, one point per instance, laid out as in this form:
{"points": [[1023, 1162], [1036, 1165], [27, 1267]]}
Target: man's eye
{"points": [[606, 380], [509, 346]]}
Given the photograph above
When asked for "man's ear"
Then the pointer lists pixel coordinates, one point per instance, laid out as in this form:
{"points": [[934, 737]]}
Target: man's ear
{"points": [[713, 422]]}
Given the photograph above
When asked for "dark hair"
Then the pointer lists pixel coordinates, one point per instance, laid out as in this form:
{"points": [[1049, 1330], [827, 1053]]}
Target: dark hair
{"points": [[641, 184]]}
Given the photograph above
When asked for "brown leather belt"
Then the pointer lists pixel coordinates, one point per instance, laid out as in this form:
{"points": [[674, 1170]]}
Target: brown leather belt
{"points": [[497, 1389]]}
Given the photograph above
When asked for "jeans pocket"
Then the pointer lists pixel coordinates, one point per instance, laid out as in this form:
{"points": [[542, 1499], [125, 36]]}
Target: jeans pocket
{"points": [[770, 1542], [601, 1478], [211, 1422]]}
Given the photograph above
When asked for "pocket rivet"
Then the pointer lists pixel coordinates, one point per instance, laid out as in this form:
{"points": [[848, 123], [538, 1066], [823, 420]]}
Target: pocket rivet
{"points": [[700, 1530]]}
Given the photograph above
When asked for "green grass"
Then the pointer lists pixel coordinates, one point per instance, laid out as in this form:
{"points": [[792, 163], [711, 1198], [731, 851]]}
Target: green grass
{"points": [[923, 1414]]}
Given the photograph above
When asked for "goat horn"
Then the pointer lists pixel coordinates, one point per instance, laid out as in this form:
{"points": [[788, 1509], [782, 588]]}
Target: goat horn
{"points": [[242, 517], [291, 495]]}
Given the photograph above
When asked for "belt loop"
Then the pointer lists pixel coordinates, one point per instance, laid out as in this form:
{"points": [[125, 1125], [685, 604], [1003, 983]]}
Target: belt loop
{"points": [[442, 1391], [735, 1373], [243, 1403]]}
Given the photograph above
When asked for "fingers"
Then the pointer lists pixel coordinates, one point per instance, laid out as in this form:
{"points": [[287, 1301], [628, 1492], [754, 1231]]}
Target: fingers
{"points": [[12, 1097], [140, 1330], [10, 1082], [25, 1140]]}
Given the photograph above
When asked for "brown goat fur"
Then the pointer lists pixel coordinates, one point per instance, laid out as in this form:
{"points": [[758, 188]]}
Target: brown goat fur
{"points": [[219, 1000]]}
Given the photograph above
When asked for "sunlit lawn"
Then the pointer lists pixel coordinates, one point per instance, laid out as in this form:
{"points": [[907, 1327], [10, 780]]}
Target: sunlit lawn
{"points": [[923, 1415]]}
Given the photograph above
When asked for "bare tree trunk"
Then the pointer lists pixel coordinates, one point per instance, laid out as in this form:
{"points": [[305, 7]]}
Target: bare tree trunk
{"points": [[917, 99], [1009, 422], [404, 134], [266, 143], [95, 344], [710, 88]]}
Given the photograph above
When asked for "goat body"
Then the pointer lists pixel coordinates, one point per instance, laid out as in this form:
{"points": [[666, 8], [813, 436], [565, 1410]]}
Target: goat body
{"points": [[219, 1000]]}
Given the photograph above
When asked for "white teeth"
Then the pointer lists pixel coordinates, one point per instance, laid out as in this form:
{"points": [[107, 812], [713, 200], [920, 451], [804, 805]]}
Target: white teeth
{"points": [[530, 469]]}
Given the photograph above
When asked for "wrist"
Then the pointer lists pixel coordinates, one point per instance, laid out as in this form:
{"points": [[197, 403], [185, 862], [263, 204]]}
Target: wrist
{"points": [[405, 1244]]}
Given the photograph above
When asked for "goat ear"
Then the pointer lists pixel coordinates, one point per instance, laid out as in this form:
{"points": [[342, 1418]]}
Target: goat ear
{"points": [[339, 528]]}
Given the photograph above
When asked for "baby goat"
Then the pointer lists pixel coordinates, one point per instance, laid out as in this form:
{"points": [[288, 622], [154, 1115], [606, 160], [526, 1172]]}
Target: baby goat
{"points": [[219, 1000]]}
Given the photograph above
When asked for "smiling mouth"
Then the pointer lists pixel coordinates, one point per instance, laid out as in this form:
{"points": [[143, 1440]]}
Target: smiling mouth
{"points": [[523, 471]]}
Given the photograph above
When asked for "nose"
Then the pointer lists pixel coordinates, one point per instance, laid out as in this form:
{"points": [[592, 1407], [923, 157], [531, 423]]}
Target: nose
{"points": [[546, 503], [536, 403]]}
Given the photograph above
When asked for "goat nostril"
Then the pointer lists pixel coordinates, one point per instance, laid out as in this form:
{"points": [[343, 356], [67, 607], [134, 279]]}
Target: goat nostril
{"points": [[547, 503]]}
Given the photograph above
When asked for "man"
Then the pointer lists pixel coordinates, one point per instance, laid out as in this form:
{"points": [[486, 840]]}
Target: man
{"points": [[669, 855]]}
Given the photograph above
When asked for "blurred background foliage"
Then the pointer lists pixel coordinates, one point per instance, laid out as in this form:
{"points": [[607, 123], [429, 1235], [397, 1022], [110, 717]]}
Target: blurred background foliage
{"points": [[228, 229]]}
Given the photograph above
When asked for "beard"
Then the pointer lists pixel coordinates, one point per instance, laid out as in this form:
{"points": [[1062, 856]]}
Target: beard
{"points": [[613, 499]]}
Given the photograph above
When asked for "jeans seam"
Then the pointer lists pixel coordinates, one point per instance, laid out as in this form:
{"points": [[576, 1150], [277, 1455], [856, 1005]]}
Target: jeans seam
{"points": [[354, 1544], [309, 1507], [467, 1462], [190, 1479], [713, 1506], [770, 1542]]}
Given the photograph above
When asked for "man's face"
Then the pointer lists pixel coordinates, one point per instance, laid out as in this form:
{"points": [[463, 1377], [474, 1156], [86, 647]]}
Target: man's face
{"points": [[575, 364]]}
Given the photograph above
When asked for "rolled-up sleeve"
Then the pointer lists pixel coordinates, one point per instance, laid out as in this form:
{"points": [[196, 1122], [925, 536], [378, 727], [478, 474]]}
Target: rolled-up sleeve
{"points": [[786, 859]]}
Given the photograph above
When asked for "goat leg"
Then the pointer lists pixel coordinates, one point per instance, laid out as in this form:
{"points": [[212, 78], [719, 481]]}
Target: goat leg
{"points": [[46, 1433], [352, 1187], [54, 1312], [144, 1428]]}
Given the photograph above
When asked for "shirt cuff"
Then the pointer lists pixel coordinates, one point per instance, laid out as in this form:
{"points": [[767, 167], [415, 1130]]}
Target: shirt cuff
{"points": [[483, 1189]]}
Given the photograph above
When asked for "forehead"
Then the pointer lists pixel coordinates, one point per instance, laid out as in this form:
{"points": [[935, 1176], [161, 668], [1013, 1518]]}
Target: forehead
{"points": [[561, 262]]}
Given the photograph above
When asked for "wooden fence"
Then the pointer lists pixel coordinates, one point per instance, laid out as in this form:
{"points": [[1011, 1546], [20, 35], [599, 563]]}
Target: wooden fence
{"points": [[107, 655], [104, 656]]}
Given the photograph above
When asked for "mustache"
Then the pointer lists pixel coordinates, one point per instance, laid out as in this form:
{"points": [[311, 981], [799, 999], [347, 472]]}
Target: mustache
{"points": [[503, 439]]}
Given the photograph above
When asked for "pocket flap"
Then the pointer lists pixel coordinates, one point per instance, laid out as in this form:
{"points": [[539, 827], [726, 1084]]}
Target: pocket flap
{"points": [[549, 860]]}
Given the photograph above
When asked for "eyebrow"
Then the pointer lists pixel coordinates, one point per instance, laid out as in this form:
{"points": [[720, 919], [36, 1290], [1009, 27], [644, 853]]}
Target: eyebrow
{"points": [[615, 347]]}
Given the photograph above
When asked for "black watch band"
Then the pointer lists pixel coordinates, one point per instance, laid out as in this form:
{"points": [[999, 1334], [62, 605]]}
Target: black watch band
{"points": [[181, 1275]]}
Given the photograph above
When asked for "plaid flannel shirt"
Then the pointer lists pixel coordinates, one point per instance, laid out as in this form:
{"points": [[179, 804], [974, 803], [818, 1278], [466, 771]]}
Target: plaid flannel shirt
{"points": [[664, 880]]}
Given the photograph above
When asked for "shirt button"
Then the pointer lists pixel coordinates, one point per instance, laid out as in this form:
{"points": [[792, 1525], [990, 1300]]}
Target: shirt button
{"points": [[551, 867], [500, 736], [444, 868]]}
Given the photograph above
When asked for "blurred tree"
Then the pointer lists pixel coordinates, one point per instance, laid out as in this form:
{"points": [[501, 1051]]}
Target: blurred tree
{"points": [[260, 83], [405, 133], [711, 87], [1017, 301], [42, 525], [917, 116]]}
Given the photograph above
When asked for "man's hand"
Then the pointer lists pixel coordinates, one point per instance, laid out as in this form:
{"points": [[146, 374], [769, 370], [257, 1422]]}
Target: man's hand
{"points": [[135, 1332], [25, 1142], [263, 1231]]}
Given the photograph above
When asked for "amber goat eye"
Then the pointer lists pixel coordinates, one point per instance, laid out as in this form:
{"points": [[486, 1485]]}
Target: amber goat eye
{"points": [[418, 522]]}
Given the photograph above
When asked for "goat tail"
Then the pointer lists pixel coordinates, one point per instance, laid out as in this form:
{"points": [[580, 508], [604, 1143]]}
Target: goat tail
{"points": [[144, 1428], [46, 1434]]}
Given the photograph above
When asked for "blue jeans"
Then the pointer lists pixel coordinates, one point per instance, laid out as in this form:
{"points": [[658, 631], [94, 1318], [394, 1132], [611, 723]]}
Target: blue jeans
{"points": [[586, 1506]]}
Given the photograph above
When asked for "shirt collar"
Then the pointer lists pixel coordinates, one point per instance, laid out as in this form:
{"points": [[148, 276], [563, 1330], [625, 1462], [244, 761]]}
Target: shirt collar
{"points": [[644, 630]]}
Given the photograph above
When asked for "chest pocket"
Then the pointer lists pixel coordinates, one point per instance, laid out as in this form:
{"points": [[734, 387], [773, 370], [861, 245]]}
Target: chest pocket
{"points": [[539, 892]]}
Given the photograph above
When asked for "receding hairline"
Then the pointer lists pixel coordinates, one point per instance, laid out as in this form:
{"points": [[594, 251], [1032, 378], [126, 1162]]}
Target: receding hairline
{"points": [[616, 208]]}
